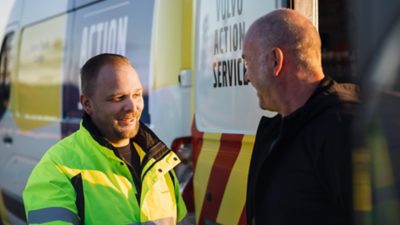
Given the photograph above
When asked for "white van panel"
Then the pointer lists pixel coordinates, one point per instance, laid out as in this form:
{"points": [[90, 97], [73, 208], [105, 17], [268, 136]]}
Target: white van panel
{"points": [[170, 112], [225, 102]]}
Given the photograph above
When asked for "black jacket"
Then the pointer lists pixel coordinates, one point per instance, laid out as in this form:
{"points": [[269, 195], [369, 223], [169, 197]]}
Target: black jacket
{"points": [[300, 171]]}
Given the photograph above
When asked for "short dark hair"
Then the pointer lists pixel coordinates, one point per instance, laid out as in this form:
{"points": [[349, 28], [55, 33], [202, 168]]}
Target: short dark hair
{"points": [[91, 68]]}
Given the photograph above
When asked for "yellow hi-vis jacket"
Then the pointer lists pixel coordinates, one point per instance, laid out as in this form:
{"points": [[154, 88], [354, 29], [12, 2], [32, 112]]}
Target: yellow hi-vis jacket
{"points": [[81, 181]]}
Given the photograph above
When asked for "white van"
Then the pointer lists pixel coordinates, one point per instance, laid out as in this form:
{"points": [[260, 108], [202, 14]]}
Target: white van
{"points": [[188, 56]]}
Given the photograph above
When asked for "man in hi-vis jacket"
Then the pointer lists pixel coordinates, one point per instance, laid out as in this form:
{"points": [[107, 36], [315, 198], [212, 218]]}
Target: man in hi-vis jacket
{"points": [[113, 170]]}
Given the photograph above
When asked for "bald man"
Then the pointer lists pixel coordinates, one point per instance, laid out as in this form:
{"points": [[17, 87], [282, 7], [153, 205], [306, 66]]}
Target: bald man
{"points": [[114, 169], [300, 171]]}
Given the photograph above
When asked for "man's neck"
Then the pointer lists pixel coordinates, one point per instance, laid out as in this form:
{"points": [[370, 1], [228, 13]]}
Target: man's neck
{"points": [[297, 93], [118, 143]]}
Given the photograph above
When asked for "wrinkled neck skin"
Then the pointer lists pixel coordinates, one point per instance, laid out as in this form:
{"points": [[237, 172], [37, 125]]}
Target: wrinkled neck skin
{"points": [[296, 89]]}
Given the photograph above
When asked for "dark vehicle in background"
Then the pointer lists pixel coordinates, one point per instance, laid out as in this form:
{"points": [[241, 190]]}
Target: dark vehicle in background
{"points": [[376, 156]]}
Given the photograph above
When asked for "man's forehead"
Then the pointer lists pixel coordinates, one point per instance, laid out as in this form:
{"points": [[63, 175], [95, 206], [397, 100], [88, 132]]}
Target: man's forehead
{"points": [[248, 48], [113, 69], [118, 65]]}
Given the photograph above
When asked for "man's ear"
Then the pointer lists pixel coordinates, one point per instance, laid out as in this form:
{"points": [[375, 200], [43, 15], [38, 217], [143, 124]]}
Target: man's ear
{"points": [[86, 104], [278, 60]]}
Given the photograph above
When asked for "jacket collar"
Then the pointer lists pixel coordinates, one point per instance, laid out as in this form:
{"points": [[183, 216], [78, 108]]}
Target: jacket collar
{"points": [[327, 94], [95, 132]]}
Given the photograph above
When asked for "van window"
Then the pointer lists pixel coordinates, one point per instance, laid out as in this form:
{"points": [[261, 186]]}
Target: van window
{"points": [[5, 72], [39, 76]]}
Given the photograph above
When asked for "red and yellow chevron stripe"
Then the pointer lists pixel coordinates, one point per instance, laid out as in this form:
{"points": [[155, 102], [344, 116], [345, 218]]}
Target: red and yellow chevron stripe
{"points": [[221, 163]]}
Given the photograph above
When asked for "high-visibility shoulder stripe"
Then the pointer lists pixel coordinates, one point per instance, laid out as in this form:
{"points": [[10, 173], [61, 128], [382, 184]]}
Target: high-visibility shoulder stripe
{"points": [[221, 170], [201, 176], [46, 215], [234, 198], [71, 172], [100, 178]]}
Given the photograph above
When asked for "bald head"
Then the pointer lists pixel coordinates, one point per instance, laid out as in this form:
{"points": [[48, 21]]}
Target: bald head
{"points": [[292, 32], [90, 70], [282, 52]]}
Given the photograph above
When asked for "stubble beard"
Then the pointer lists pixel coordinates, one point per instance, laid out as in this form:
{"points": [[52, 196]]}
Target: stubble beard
{"points": [[120, 133]]}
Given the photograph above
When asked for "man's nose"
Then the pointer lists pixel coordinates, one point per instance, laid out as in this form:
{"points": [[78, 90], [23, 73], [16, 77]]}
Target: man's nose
{"points": [[130, 105]]}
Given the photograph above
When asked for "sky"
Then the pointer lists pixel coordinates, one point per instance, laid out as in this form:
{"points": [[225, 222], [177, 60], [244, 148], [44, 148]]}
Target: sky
{"points": [[5, 8]]}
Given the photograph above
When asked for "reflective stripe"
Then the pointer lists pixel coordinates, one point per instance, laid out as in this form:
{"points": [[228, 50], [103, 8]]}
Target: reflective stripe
{"points": [[52, 214], [100, 178]]}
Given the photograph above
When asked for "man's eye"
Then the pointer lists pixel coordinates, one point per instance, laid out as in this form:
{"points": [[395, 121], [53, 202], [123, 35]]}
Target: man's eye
{"points": [[137, 95], [117, 98]]}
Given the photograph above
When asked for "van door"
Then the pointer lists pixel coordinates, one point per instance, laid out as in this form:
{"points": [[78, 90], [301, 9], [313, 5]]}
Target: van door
{"points": [[31, 123]]}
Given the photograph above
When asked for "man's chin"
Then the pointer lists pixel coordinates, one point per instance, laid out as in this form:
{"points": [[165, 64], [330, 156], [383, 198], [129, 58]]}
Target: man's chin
{"points": [[262, 105], [265, 107], [126, 132]]}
